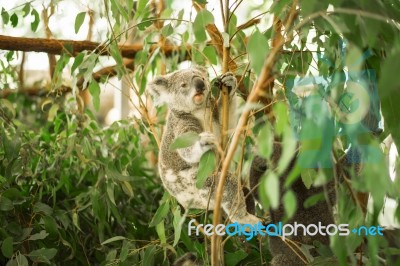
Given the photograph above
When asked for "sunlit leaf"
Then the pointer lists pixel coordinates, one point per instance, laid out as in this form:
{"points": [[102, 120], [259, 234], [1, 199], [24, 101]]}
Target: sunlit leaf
{"points": [[94, 90], [112, 239], [178, 222], [203, 18], [290, 203], [4, 16], [35, 22], [265, 140], [257, 48], [185, 140], [26, 9], [41, 235]]}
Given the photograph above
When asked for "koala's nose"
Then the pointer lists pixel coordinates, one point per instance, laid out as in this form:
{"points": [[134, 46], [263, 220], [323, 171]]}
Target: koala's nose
{"points": [[199, 84]]}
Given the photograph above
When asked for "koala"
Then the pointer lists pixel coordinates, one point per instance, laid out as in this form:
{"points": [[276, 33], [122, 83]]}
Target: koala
{"points": [[192, 108]]}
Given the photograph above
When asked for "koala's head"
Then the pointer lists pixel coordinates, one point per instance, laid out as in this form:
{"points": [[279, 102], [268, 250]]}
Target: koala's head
{"points": [[183, 90]]}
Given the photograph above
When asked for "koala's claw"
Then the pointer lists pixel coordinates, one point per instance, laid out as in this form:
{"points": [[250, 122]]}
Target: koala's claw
{"points": [[229, 80], [207, 140]]}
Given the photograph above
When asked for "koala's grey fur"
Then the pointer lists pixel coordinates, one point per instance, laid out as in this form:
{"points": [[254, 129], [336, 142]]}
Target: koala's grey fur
{"points": [[192, 108]]}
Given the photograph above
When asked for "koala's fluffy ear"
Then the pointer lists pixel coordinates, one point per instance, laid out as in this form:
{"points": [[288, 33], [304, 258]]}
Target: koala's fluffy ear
{"points": [[158, 90], [201, 69]]}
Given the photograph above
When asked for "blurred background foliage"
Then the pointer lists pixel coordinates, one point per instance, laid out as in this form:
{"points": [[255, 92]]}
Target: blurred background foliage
{"points": [[80, 188]]}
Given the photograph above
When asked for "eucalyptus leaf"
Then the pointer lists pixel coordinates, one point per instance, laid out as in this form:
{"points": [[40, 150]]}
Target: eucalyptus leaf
{"points": [[79, 21], [185, 140], [7, 247], [207, 166], [113, 239]]}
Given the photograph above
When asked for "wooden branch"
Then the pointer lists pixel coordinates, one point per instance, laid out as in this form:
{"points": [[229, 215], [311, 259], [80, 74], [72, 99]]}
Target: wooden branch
{"points": [[52, 46], [38, 91], [260, 88]]}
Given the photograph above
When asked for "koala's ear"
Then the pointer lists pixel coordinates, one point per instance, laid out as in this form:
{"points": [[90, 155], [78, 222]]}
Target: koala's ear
{"points": [[201, 69], [158, 90]]}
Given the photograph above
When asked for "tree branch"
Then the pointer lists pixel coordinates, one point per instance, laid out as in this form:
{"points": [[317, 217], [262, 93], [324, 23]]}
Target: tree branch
{"points": [[52, 46], [260, 88], [37, 91]]}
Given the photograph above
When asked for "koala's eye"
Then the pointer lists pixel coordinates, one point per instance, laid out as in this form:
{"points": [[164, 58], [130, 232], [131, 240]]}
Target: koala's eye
{"points": [[183, 85]]}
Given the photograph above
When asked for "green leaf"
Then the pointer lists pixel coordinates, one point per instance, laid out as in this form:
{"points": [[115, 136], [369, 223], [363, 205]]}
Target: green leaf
{"points": [[6, 204], [41, 235], [9, 106], [271, 185], [53, 112], [235, 258], [35, 22], [94, 90], [19, 260], [314, 199], [211, 54], [257, 48], [78, 61], [288, 150], [79, 21], [265, 140], [185, 140], [149, 255], [7, 247], [116, 54], [42, 207], [110, 192], [308, 6], [141, 5], [14, 20], [389, 93], [167, 30], [43, 255], [354, 59], [207, 165], [124, 250], [178, 222], [160, 214], [50, 225], [308, 175], [26, 9], [116, 4], [203, 18], [111, 255], [4, 16], [112, 239], [160, 228], [290, 203]]}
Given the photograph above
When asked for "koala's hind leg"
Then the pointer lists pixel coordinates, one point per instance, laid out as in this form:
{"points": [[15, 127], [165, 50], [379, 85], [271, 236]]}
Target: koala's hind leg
{"points": [[234, 203]]}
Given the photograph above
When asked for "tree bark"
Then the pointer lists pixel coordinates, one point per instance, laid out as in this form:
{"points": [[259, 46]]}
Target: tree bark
{"points": [[52, 46]]}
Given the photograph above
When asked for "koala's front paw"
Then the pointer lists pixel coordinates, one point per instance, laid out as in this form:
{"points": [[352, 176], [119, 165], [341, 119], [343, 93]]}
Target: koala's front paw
{"points": [[229, 80], [207, 141]]}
